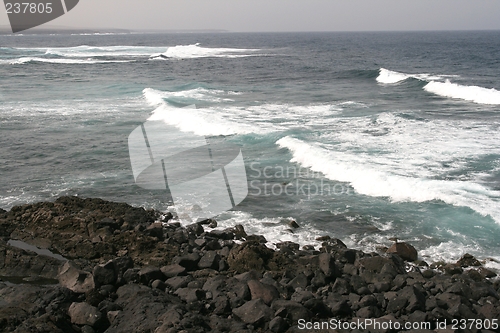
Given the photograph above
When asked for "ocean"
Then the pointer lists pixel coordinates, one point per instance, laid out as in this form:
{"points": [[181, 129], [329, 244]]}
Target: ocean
{"points": [[359, 136]]}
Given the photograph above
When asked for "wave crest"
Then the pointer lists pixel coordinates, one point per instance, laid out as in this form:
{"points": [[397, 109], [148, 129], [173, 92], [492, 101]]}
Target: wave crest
{"points": [[25, 60], [196, 51], [474, 94], [369, 179]]}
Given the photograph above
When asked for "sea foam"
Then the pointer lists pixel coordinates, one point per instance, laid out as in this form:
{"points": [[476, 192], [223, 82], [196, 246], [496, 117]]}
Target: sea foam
{"points": [[435, 85], [196, 51], [376, 180], [469, 93], [102, 51], [25, 60], [201, 121]]}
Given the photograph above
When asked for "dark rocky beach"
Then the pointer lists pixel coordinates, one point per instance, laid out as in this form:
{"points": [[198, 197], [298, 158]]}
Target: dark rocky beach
{"points": [[115, 268]]}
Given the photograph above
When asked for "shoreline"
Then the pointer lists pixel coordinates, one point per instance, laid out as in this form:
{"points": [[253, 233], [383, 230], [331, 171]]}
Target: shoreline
{"points": [[126, 271]]}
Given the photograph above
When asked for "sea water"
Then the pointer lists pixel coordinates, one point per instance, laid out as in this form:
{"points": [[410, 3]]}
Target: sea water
{"points": [[359, 136]]}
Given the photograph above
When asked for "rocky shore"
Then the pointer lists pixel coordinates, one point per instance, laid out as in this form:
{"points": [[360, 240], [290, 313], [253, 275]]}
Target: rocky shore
{"points": [[118, 269]]}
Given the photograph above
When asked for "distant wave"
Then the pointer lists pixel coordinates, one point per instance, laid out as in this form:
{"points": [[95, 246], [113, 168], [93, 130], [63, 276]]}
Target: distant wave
{"points": [[388, 77], [196, 51], [469, 93], [202, 121], [151, 52], [369, 179], [104, 51], [176, 108], [474, 94], [156, 97], [24, 60]]}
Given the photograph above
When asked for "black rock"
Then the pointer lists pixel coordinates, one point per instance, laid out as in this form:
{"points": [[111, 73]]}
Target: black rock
{"points": [[293, 310], [368, 312], [178, 281], [300, 281], [84, 314], [341, 287], [155, 230], [226, 234], [188, 261], [108, 222], [190, 294], [448, 300], [486, 273], [265, 292], [150, 273], [131, 275], [209, 260], [468, 260], [416, 299], [195, 229], [396, 303], [105, 274], [173, 270], [327, 264], [122, 264], [254, 312], [340, 308], [221, 305], [404, 250], [158, 284], [278, 325]]}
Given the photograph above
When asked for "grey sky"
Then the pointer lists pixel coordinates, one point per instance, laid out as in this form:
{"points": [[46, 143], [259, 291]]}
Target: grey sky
{"points": [[283, 15]]}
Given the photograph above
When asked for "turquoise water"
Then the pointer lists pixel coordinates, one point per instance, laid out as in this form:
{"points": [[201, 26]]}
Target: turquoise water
{"points": [[362, 136]]}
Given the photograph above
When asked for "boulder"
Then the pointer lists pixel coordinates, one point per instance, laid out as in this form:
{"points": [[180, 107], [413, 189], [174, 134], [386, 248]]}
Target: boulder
{"points": [[155, 230], [105, 274], [84, 314], [249, 255], [75, 279], [209, 260], [178, 282], [278, 325], [484, 272], [190, 294], [468, 260], [254, 312], [327, 264], [404, 250], [150, 273], [265, 292], [291, 310], [188, 261], [173, 270]]}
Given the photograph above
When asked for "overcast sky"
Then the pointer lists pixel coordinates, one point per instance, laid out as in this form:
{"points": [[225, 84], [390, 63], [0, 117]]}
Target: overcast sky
{"points": [[283, 15]]}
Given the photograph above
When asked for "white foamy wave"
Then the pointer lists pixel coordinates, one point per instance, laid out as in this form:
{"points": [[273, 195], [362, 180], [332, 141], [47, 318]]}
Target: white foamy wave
{"points": [[204, 122], [387, 76], [469, 93], [196, 51], [156, 97], [275, 229], [474, 94], [25, 60], [447, 251], [229, 119], [102, 51], [377, 180]]}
